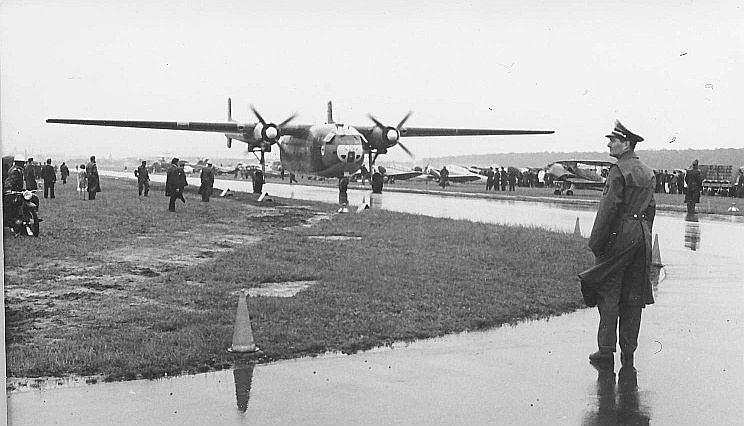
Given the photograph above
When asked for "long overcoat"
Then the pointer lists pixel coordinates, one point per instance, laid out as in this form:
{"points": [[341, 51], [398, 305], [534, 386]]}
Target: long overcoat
{"points": [[621, 229], [175, 180], [29, 176], [207, 180], [91, 172], [694, 181]]}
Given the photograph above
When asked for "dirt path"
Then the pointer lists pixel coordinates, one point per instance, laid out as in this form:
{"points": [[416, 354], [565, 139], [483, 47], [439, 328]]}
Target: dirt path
{"points": [[67, 293]]}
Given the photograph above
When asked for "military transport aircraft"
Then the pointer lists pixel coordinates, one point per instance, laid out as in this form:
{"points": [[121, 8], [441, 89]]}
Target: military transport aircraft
{"points": [[571, 175], [326, 150]]}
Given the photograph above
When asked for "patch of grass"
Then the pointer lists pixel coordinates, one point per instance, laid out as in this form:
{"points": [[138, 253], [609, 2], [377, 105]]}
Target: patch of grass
{"points": [[122, 289]]}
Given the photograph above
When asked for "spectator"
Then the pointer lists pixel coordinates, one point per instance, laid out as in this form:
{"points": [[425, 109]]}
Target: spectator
{"points": [[82, 181], [49, 177], [207, 182], [143, 178], [694, 182], [64, 171], [94, 183]]}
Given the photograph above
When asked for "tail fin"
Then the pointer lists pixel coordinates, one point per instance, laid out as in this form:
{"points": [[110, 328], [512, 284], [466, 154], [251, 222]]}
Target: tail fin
{"points": [[330, 113]]}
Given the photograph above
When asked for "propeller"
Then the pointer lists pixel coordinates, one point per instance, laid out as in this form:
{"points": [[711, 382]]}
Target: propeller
{"points": [[392, 134], [270, 132]]}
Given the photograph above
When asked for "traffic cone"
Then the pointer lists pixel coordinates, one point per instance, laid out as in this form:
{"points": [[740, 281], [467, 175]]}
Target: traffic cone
{"points": [[242, 341], [363, 206], [577, 228], [733, 208], [655, 253]]}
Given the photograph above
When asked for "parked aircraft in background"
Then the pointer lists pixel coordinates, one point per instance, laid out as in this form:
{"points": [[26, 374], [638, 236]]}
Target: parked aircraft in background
{"points": [[457, 174], [395, 172], [202, 163], [570, 175], [326, 150]]}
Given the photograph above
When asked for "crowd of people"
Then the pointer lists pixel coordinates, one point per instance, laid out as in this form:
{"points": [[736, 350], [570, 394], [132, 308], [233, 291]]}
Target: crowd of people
{"points": [[24, 174], [27, 172]]}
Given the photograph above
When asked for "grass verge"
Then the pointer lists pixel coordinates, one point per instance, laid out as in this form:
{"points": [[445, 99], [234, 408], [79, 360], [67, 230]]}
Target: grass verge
{"points": [[121, 288]]}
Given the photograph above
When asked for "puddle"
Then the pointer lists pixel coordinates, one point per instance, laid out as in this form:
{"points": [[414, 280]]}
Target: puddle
{"points": [[285, 289], [335, 237]]}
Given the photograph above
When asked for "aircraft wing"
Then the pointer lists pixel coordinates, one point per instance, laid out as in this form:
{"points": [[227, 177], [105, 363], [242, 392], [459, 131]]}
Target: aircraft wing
{"points": [[444, 131], [431, 131], [227, 127], [402, 175], [194, 126], [583, 182], [464, 178]]}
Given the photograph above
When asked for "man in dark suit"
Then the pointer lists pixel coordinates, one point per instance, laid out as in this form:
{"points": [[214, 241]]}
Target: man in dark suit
{"points": [[49, 176]]}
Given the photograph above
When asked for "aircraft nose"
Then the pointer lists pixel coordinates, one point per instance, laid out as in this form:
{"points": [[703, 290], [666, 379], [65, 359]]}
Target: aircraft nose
{"points": [[349, 153]]}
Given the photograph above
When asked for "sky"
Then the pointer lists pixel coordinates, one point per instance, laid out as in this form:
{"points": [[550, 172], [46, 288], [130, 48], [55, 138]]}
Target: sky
{"points": [[671, 71]]}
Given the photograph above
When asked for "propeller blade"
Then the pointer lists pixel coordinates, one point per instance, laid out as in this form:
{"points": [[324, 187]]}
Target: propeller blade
{"points": [[410, 154], [403, 121], [376, 121], [292, 117], [255, 112]]}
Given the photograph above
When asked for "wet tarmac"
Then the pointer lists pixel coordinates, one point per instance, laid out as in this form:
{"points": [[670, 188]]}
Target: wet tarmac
{"points": [[689, 363]]}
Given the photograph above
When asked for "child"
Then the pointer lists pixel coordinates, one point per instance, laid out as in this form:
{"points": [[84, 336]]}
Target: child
{"points": [[82, 180]]}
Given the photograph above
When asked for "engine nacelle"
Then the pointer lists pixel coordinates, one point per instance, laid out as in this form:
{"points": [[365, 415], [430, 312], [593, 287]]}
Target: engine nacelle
{"points": [[383, 138], [268, 133]]}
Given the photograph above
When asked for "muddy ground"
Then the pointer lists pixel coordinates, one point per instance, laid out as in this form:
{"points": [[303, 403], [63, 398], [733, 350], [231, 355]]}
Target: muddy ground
{"points": [[66, 294]]}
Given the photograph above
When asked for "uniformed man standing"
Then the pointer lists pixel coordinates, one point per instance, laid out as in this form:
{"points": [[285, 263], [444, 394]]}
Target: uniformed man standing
{"points": [[143, 178], [694, 181], [620, 281]]}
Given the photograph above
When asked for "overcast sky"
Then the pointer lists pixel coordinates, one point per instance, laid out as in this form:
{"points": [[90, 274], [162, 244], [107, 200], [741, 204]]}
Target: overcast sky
{"points": [[672, 71]]}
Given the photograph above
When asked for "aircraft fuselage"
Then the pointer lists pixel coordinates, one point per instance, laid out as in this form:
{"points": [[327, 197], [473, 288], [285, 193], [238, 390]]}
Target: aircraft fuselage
{"points": [[327, 150]]}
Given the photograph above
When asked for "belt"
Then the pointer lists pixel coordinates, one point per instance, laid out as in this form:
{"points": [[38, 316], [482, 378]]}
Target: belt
{"points": [[634, 216]]}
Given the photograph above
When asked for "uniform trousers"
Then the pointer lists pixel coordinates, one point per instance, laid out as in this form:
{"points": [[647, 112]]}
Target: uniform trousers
{"points": [[613, 305], [145, 185]]}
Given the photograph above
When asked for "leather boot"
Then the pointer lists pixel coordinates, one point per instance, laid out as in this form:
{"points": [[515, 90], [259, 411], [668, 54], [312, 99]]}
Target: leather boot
{"points": [[602, 357]]}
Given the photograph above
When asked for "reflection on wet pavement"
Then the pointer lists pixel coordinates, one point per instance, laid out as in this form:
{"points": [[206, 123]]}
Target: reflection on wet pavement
{"points": [[243, 377], [692, 231], [618, 404]]}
